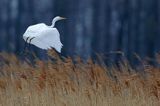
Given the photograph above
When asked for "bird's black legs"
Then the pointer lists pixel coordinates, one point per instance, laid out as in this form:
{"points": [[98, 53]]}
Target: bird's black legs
{"points": [[30, 42], [25, 46], [32, 53]]}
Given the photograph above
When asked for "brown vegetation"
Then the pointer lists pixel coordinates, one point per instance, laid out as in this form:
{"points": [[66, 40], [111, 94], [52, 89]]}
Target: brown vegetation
{"points": [[64, 83]]}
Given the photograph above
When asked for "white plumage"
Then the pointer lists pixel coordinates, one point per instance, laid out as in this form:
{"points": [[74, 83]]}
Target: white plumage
{"points": [[44, 36]]}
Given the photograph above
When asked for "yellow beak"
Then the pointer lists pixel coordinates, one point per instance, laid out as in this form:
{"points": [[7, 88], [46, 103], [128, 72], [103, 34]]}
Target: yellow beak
{"points": [[63, 18]]}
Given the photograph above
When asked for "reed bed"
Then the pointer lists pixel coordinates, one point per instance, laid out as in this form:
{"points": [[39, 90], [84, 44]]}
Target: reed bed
{"points": [[65, 82]]}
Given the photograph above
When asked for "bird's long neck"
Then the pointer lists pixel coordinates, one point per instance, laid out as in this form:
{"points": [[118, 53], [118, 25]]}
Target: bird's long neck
{"points": [[54, 22]]}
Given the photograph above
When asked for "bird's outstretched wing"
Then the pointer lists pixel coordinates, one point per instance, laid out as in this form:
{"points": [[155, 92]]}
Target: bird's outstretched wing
{"points": [[33, 31], [47, 39]]}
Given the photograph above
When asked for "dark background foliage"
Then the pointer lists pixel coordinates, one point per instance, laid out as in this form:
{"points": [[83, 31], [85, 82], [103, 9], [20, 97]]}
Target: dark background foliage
{"points": [[93, 26]]}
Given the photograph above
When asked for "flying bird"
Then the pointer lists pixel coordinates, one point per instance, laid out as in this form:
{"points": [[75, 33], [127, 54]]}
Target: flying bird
{"points": [[44, 36]]}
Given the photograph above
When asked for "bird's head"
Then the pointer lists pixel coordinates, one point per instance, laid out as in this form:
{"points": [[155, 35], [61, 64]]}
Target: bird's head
{"points": [[57, 18]]}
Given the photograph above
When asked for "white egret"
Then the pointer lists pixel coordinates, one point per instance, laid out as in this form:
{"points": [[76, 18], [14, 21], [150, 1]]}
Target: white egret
{"points": [[44, 36]]}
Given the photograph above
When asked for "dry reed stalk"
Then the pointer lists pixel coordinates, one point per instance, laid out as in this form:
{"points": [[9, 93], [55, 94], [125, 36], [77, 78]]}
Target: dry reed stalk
{"points": [[68, 83]]}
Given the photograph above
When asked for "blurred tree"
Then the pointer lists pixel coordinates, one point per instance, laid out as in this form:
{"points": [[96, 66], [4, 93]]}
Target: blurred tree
{"points": [[130, 26]]}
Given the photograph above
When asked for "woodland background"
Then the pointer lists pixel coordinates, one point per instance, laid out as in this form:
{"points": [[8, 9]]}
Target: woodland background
{"points": [[92, 26]]}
